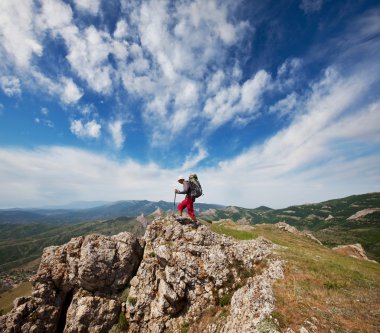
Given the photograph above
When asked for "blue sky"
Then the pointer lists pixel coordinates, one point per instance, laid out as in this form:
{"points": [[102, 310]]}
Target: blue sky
{"points": [[270, 102]]}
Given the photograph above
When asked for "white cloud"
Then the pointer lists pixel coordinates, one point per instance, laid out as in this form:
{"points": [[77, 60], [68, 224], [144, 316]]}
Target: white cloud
{"points": [[71, 93], [45, 122], [215, 82], [58, 175], [90, 6], [121, 30], [310, 6], [54, 15], [237, 102], [192, 160], [17, 35], [287, 106], [178, 45], [116, 130], [44, 111], [10, 85], [308, 161], [88, 56], [90, 129]]}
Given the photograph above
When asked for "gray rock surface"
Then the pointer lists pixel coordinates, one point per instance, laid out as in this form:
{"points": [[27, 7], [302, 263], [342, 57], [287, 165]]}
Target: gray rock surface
{"points": [[293, 230], [188, 275], [75, 287]]}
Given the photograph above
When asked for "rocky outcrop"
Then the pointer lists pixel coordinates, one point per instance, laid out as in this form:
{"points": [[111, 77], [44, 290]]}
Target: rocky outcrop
{"points": [[175, 279], [293, 230], [363, 212], [353, 250], [76, 286], [188, 276]]}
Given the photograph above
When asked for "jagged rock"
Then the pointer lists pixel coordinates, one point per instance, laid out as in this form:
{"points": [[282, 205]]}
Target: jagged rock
{"points": [[157, 213], [89, 313], [141, 218], [186, 272], [353, 250], [293, 230], [79, 279]]}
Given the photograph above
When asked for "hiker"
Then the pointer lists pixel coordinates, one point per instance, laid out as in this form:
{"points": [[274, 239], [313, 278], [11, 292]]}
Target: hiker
{"points": [[187, 203]]}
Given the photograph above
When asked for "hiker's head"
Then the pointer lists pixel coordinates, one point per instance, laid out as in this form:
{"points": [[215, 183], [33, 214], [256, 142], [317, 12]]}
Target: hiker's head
{"points": [[181, 179]]}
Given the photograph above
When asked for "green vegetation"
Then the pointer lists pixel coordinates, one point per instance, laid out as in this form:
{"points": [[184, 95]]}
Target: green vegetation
{"points": [[132, 300], [225, 300], [237, 233], [314, 217], [343, 293], [20, 244], [123, 323], [185, 327], [125, 294]]}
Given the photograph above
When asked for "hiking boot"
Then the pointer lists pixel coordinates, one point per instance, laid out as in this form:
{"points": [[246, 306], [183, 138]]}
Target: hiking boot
{"points": [[180, 219], [195, 224]]}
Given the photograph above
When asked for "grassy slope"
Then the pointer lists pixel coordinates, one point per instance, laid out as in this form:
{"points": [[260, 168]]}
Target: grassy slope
{"points": [[7, 298], [341, 292], [333, 232], [22, 244]]}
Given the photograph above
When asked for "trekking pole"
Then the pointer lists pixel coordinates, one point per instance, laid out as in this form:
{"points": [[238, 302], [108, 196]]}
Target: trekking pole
{"points": [[175, 194]]}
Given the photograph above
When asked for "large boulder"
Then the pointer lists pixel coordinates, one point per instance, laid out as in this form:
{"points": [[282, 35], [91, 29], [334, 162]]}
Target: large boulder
{"points": [[189, 275], [76, 286], [353, 250]]}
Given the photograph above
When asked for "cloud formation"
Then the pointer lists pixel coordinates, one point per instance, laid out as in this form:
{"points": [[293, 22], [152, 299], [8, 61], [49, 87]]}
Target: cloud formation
{"points": [[89, 129], [10, 85], [187, 80]]}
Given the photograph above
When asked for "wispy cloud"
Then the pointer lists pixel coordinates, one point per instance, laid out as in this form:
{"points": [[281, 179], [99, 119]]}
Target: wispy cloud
{"points": [[10, 85], [91, 6], [193, 159], [89, 129], [116, 130], [17, 27], [310, 6]]}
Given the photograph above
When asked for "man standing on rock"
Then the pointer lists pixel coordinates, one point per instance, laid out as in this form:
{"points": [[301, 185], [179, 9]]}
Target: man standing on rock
{"points": [[187, 203]]}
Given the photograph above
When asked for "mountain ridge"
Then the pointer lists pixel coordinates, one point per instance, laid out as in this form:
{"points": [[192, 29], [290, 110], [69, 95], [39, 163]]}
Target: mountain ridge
{"points": [[180, 279]]}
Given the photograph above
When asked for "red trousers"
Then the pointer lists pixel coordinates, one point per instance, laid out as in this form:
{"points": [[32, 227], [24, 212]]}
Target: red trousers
{"points": [[188, 204]]}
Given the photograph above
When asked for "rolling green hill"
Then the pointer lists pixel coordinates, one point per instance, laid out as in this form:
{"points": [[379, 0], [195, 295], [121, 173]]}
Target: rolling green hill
{"points": [[20, 244], [329, 221]]}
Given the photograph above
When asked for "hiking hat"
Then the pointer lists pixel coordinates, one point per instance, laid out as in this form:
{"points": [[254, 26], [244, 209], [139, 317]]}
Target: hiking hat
{"points": [[180, 177]]}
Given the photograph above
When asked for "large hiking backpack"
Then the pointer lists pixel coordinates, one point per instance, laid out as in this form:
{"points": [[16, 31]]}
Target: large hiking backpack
{"points": [[195, 186]]}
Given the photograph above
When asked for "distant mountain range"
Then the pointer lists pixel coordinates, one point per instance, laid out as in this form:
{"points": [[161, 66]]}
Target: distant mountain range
{"points": [[130, 208], [25, 232]]}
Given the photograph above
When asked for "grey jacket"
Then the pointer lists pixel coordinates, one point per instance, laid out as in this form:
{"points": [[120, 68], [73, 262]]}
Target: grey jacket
{"points": [[186, 188]]}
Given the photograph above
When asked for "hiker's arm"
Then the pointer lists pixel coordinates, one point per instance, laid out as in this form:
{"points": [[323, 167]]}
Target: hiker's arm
{"points": [[185, 188]]}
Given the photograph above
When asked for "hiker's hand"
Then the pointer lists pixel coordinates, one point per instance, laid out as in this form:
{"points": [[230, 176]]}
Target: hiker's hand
{"points": [[176, 190]]}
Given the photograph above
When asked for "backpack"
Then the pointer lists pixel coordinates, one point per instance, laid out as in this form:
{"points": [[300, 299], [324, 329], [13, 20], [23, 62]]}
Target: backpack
{"points": [[195, 186]]}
